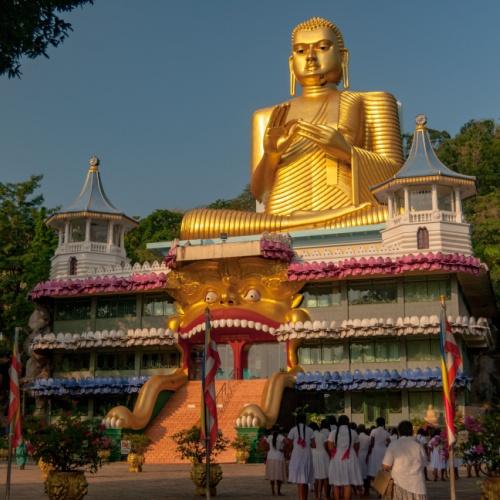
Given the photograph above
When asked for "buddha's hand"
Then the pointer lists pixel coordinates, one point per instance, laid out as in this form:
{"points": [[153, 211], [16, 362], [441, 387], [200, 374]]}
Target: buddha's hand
{"points": [[279, 134], [328, 138]]}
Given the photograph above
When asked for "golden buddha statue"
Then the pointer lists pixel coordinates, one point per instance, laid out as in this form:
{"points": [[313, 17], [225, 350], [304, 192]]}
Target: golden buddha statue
{"points": [[314, 157]]}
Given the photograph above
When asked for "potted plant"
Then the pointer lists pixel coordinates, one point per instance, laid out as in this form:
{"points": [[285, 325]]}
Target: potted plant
{"points": [[242, 446], [139, 444], [190, 446], [67, 448]]}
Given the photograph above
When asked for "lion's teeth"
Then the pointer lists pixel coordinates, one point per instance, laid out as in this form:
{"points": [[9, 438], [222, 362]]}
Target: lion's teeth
{"points": [[216, 323], [244, 323], [237, 322], [222, 323], [258, 326], [265, 328], [229, 323]]}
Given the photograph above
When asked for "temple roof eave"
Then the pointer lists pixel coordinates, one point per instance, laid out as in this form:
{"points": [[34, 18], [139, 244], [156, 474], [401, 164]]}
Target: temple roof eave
{"points": [[60, 218]]}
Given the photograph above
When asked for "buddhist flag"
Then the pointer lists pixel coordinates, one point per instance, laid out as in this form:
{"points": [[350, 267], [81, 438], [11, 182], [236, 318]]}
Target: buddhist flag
{"points": [[211, 363], [14, 414], [451, 361]]}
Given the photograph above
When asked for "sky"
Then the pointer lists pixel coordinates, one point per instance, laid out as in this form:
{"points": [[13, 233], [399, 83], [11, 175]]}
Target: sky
{"points": [[163, 91]]}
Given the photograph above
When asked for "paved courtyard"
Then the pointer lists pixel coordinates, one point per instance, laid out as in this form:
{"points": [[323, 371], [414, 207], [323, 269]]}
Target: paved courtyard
{"points": [[161, 482]]}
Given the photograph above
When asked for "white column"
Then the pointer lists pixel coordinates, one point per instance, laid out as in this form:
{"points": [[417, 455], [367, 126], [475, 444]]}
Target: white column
{"points": [[435, 207], [87, 230], [66, 232], [390, 207], [458, 205], [122, 238], [110, 232], [407, 201]]}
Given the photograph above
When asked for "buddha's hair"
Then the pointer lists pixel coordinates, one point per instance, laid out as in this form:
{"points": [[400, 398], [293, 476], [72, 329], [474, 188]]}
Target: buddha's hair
{"points": [[319, 22]]}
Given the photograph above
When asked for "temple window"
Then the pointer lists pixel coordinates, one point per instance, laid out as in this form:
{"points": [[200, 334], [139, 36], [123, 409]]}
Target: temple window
{"points": [[168, 359], [372, 406], [423, 289], [446, 198], [422, 238], [419, 402], [99, 231], [117, 230], [334, 403], [116, 307], [73, 362], [72, 310], [111, 361], [372, 292], [315, 354], [420, 200], [399, 202], [77, 230], [157, 305], [422, 350], [321, 296], [73, 266], [374, 352]]}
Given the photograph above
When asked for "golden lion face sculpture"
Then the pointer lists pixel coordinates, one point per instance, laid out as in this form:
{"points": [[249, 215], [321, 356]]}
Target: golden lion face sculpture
{"points": [[243, 295]]}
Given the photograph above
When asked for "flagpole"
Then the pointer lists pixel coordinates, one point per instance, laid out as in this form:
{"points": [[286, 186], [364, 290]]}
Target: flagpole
{"points": [[444, 374], [205, 409], [11, 432]]}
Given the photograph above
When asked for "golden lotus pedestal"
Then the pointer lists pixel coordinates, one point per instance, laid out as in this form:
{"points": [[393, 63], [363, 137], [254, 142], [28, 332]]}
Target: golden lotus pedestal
{"points": [[198, 476], [66, 485]]}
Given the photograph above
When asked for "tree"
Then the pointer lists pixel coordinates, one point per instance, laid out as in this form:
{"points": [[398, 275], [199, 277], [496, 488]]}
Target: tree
{"points": [[29, 27], [27, 245], [244, 201], [161, 225]]}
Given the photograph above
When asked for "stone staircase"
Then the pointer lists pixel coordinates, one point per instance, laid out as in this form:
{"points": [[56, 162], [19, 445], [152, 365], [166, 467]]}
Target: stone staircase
{"points": [[183, 411]]}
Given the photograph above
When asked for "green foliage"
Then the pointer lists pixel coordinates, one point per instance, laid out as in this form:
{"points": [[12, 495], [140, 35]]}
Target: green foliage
{"points": [[161, 225], [139, 443], [68, 444], [244, 201], [28, 28], [190, 445], [27, 246], [241, 443]]}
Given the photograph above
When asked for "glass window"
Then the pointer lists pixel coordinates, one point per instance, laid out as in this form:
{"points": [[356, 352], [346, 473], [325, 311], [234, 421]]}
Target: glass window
{"points": [[118, 361], [77, 230], [99, 231], [322, 354], [168, 359], [73, 266], [357, 402], [426, 289], [117, 307], [446, 198], [387, 351], [73, 362], [334, 403], [157, 305], [70, 310], [395, 405], [420, 200], [422, 349], [321, 296], [399, 200], [117, 229], [372, 292], [422, 238], [374, 352], [419, 402]]}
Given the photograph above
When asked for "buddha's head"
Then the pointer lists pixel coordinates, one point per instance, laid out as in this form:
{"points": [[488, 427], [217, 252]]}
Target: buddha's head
{"points": [[318, 54]]}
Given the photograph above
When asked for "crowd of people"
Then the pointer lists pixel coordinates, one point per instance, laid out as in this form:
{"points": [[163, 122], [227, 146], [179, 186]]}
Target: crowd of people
{"points": [[338, 459]]}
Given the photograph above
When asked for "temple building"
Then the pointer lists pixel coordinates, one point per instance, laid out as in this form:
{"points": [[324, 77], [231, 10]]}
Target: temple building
{"points": [[366, 338]]}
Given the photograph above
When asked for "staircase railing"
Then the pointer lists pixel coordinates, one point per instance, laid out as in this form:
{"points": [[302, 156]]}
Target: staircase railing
{"points": [[224, 394]]}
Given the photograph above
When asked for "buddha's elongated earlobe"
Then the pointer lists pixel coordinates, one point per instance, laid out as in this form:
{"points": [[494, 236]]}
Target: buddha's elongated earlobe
{"points": [[345, 68], [292, 76]]}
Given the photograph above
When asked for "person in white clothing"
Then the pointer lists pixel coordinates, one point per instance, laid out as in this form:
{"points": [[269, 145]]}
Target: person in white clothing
{"points": [[324, 428], [321, 460], [275, 462], [343, 472], [364, 445], [300, 468], [406, 459], [379, 439]]}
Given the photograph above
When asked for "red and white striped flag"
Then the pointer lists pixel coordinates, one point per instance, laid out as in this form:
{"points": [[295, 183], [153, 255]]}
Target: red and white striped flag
{"points": [[210, 366], [14, 414], [451, 361]]}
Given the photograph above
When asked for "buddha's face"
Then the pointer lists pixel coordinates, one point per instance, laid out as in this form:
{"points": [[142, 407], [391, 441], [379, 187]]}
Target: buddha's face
{"points": [[316, 57]]}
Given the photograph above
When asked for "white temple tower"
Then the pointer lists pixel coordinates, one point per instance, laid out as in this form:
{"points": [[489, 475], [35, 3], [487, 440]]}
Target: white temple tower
{"points": [[91, 231], [424, 201]]}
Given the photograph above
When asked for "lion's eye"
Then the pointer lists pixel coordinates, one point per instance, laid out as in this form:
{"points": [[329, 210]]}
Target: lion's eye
{"points": [[252, 295], [211, 297]]}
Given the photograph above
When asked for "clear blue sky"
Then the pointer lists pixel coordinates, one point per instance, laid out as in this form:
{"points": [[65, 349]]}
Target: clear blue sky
{"points": [[163, 91]]}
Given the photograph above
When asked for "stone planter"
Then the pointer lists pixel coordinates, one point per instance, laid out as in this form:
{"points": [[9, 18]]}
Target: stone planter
{"points": [[490, 488], [135, 462], [198, 476], [242, 456], [66, 485]]}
